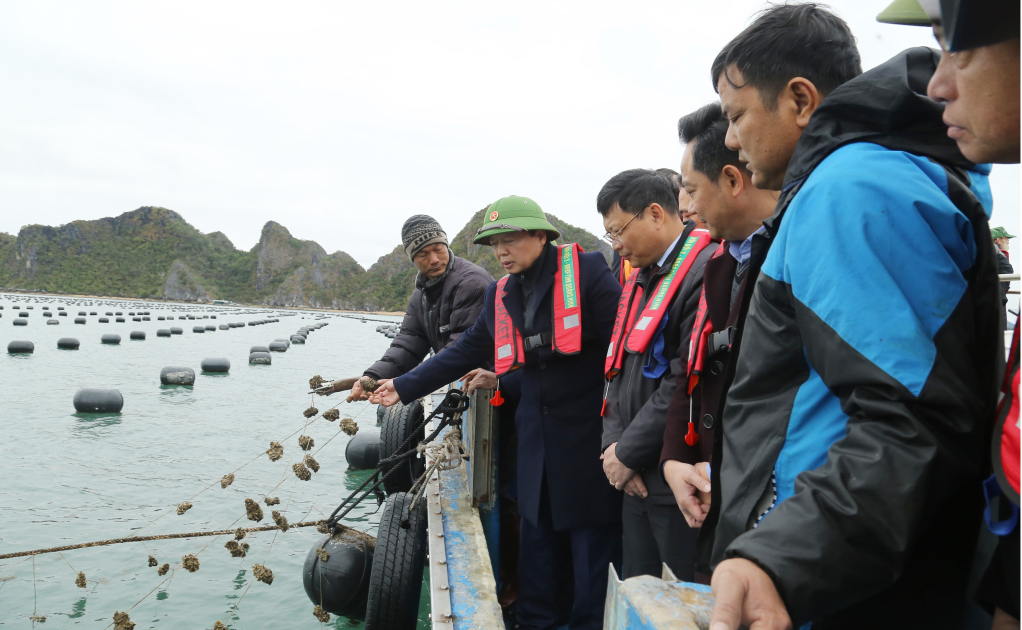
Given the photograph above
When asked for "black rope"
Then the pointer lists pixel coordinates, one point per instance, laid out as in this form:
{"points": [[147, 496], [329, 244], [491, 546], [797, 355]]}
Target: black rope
{"points": [[455, 402]]}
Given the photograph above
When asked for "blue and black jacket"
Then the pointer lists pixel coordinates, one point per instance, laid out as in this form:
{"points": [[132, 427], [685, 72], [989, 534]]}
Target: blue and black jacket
{"points": [[857, 427]]}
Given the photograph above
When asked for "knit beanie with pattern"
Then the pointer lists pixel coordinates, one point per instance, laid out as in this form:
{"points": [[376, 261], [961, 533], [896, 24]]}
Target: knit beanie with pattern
{"points": [[418, 232]]}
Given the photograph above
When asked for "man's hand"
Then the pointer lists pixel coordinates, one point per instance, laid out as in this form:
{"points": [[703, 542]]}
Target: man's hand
{"points": [[636, 487], [745, 595], [691, 490], [479, 379], [357, 393], [616, 472], [385, 394]]}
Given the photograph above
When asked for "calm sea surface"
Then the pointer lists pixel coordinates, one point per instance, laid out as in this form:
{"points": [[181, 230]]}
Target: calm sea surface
{"points": [[67, 478]]}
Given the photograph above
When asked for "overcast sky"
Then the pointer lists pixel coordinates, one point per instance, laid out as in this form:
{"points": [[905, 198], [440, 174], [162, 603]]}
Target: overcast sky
{"points": [[339, 120]]}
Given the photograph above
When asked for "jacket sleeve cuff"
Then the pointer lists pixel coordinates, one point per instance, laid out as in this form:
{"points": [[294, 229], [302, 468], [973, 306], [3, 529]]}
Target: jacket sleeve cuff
{"points": [[609, 439]]}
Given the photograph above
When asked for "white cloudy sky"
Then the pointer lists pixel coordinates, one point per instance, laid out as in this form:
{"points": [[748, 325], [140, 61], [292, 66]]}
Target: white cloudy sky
{"points": [[340, 119]]}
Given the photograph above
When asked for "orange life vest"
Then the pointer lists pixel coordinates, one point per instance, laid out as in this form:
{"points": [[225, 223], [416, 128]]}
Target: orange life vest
{"points": [[508, 347], [633, 330]]}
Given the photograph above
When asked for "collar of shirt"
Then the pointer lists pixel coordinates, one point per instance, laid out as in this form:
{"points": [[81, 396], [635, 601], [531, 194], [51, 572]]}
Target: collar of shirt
{"points": [[742, 251], [663, 259]]}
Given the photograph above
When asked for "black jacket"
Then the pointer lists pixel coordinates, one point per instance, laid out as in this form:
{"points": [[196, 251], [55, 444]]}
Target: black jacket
{"points": [[558, 418], [433, 324], [636, 412], [856, 430]]}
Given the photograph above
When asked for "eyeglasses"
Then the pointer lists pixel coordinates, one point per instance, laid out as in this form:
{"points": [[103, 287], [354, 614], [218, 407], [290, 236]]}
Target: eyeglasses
{"points": [[615, 237]]}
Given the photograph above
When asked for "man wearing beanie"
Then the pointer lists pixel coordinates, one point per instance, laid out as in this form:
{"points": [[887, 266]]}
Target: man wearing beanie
{"points": [[447, 299]]}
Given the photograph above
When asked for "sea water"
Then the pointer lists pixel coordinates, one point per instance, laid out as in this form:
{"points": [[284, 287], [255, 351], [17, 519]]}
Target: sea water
{"points": [[68, 478]]}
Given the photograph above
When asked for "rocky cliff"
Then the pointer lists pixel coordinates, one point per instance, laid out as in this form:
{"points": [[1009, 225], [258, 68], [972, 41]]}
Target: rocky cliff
{"points": [[153, 252]]}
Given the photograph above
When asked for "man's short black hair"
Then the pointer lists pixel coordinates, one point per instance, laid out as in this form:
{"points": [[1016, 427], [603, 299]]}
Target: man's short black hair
{"points": [[636, 189], [705, 129], [787, 41]]}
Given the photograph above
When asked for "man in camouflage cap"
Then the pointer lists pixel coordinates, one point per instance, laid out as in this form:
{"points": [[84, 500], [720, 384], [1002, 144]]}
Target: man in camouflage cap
{"points": [[549, 322]]}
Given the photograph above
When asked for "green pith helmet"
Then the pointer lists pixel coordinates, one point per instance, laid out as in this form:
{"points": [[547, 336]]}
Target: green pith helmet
{"points": [[907, 12], [1000, 232], [513, 214]]}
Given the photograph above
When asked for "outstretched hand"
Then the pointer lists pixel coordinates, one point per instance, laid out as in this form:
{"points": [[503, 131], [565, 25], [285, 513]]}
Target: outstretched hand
{"points": [[385, 394], [357, 393], [745, 595]]}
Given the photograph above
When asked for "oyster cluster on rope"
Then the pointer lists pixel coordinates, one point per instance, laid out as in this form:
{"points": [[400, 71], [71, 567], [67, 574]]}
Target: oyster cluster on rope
{"points": [[262, 574], [253, 511], [190, 563], [276, 451]]}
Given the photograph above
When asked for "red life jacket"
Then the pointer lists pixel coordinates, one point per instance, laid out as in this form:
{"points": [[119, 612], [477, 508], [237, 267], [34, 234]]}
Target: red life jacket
{"points": [[508, 349], [1006, 435], [633, 330]]}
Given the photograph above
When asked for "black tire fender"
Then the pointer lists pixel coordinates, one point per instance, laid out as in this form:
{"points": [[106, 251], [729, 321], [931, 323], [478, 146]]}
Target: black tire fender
{"points": [[395, 583]]}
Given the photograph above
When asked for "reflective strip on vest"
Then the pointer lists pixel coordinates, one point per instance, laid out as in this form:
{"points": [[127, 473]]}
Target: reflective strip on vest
{"points": [[508, 351], [638, 339], [701, 330], [627, 308], [567, 305]]}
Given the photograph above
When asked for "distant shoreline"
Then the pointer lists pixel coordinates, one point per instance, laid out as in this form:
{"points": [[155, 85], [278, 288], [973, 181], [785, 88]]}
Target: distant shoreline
{"points": [[237, 304]]}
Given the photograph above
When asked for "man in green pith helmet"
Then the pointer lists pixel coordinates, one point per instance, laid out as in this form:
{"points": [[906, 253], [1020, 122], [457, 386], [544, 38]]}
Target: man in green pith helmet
{"points": [[1001, 236], [550, 321]]}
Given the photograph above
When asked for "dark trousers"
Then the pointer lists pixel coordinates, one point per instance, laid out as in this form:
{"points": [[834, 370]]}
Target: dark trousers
{"points": [[655, 534], [562, 575]]}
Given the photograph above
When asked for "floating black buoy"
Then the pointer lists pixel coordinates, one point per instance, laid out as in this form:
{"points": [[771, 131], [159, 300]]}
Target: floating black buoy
{"points": [[340, 583], [297, 339], [62, 313], [177, 376], [176, 331], [20, 347], [104, 320], [161, 318], [79, 320], [20, 322], [137, 335], [119, 320], [52, 322], [81, 312], [96, 400], [198, 329], [260, 358], [363, 450], [278, 346], [258, 349], [283, 341], [224, 327], [163, 332], [23, 314], [68, 343], [110, 338], [211, 328], [216, 364]]}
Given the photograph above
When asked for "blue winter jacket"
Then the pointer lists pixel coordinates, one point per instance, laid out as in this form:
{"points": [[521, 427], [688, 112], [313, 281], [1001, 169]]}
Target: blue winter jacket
{"points": [[855, 429]]}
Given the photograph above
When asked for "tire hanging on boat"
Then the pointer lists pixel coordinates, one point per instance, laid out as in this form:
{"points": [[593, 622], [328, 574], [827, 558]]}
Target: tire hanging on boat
{"points": [[397, 426], [395, 583]]}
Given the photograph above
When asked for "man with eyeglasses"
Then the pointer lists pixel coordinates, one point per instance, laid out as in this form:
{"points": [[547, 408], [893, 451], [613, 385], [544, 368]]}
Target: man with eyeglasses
{"points": [[549, 320], [648, 349]]}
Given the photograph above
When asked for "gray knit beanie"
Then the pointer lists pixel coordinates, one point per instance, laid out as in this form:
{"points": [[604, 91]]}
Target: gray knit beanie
{"points": [[419, 231]]}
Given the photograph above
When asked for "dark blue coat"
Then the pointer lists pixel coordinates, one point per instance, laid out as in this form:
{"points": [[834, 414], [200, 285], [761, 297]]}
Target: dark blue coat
{"points": [[558, 419]]}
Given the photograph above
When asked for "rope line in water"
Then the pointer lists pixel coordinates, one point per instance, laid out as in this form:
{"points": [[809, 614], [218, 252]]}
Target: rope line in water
{"points": [[130, 539]]}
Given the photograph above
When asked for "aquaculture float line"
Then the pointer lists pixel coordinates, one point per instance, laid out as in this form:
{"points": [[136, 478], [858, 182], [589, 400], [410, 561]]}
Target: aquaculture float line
{"points": [[131, 539]]}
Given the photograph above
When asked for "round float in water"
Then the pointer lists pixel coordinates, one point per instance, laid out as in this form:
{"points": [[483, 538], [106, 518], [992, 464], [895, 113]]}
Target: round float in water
{"points": [[52, 322], [260, 358], [20, 347], [137, 335], [97, 400], [68, 343], [258, 349], [110, 338], [104, 320], [297, 339], [363, 450], [20, 322], [79, 320], [163, 332], [177, 376], [278, 346], [176, 331], [218, 365], [341, 582], [198, 329]]}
